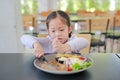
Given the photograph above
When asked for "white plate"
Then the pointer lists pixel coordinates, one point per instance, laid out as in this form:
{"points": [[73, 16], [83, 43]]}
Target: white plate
{"points": [[52, 56]]}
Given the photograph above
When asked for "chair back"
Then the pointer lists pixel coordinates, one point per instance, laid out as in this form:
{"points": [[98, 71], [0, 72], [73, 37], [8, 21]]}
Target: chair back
{"points": [[88, 14], [108, 15], [45, 13], [100, 24], [117, 21], [88, 37], [42, 35], [27, 21]]}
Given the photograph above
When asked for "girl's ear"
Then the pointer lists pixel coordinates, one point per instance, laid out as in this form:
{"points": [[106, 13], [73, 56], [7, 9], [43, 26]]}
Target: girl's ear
{"points": [[70, 29]]}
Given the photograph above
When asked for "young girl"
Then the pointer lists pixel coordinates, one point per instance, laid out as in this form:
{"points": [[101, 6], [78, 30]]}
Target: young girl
{"points": [[59, 37]]}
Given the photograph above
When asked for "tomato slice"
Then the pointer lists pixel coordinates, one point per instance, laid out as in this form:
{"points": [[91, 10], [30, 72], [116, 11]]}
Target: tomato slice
{"points": [[82, 58], [69, 68]]}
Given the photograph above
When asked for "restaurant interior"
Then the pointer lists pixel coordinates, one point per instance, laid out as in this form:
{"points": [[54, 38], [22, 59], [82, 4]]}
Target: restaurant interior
{"points": [[98, 21], [98, 18], [85, 15]]}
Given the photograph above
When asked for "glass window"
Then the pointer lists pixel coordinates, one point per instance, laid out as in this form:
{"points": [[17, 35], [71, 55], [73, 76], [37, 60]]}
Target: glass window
{"points": [[89, 5], [29, 6]]}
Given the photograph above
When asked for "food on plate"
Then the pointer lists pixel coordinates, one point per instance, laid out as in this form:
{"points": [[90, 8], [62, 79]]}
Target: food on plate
{"points": [[53, 65], [73, 61], [67, 62]]}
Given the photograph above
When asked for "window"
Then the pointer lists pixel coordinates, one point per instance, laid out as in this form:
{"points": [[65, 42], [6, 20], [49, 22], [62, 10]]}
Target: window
{"points": [[89, 5], [29, 6]]}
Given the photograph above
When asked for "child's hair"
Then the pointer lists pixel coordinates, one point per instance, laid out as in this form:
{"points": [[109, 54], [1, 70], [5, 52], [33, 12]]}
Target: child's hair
{"points": [[62, 15]]}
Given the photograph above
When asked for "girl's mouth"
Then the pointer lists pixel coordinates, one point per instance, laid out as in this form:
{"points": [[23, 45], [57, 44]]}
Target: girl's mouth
{"points": [[60, 39]]}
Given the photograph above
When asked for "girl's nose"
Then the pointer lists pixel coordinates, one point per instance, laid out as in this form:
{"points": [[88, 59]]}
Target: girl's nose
{"points": [[58, 33]]}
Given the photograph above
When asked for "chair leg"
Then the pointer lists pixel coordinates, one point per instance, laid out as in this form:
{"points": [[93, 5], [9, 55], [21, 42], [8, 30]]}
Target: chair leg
{"points": [[99, 49], [93, 49], [118, 45], [115, 46], [112, 43], [105, 48], [105, 45]]}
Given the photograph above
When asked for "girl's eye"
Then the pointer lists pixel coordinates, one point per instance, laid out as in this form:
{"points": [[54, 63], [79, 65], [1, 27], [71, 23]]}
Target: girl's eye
{"points": [[53, 30], [62, 30]]}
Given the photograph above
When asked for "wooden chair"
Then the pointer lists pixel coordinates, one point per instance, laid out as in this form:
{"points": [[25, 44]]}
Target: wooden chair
{"points": [[117, 21], [98, 25], [108, 15], [117, 34], [88, 14], [117, 12], [45, 13], [88, 37], [97, 12], [42, 35], [27, 21], [114, 35], [35, 21]]}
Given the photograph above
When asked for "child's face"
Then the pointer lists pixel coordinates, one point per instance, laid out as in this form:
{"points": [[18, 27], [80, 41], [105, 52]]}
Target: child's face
{"points": [[58, 29]]}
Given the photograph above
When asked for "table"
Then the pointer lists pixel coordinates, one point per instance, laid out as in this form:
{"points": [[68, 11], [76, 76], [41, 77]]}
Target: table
{"points": [[20, 66]]}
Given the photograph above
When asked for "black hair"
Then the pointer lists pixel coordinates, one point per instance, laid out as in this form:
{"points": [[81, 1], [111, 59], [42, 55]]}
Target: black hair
{"points": [[64, 16]]}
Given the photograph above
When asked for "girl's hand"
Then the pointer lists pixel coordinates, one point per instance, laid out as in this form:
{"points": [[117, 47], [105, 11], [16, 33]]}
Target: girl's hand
{"points": [[38, 50], [59, 47]]}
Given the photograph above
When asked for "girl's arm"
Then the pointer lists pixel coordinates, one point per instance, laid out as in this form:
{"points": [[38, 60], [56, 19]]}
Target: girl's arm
{"points": [[74, 45], [59, 47], [77, 44], [38, 50], [32, 42], [28, 40]]}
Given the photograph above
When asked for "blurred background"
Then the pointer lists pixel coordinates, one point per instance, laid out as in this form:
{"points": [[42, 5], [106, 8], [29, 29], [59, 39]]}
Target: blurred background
{"points": [[18, 17]]}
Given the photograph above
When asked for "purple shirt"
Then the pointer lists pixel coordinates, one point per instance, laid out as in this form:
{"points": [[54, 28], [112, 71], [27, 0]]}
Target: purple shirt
{"points": [[76, 43]]}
